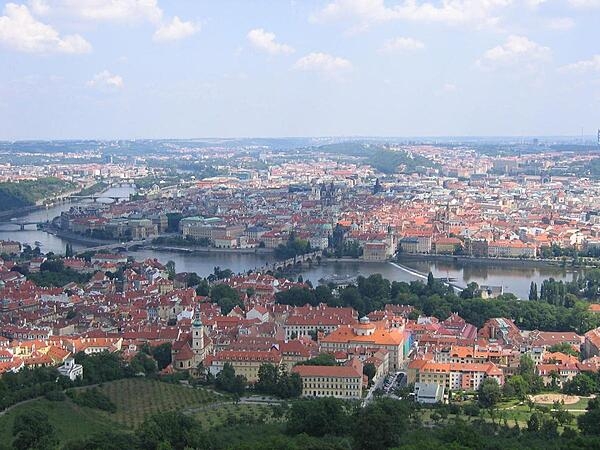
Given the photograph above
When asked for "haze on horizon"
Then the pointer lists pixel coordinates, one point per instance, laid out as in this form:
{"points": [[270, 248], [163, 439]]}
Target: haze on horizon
{"points": [[76, 69]]}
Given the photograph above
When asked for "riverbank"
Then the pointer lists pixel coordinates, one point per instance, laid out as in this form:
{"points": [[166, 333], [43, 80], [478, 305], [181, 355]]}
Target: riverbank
{"points": [[241, 251], [77, 238], [512, 262]]}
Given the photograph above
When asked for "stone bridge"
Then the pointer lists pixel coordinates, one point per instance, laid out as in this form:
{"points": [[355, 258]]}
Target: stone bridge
{"points": [[279, 266]]}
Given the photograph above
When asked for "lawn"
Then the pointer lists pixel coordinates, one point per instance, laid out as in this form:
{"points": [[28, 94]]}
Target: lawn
{"points": [[70, 420], [136, 398], [218, 414]]}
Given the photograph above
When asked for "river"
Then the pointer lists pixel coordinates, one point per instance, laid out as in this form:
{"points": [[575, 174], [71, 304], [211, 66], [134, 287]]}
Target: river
{"points": [[48, 242], [515, 279]]}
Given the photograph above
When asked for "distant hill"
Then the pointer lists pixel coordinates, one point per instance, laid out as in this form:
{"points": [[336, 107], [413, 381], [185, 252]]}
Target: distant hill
{"points": [[26, 193], [380, 156]]}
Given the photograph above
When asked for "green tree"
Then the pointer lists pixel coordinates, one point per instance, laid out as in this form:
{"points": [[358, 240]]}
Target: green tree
{"points": [[588, 422], [162, 355], [170, 267], [381, 424], [318, 417], [369, 370], [268, 377], [32, 430], [489, 393], [517, 386], [177, 429], [430, 280], [581, 384], [228, 381], [563, 347], [533, 293]]}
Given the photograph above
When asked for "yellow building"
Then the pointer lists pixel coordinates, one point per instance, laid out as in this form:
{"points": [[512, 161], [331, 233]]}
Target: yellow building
{"points": [[366, 334], [246, 363], [332, 381]]}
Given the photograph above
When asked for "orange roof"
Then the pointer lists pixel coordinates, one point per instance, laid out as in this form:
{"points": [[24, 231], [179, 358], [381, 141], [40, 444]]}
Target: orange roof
{"points": [[380, 336]]}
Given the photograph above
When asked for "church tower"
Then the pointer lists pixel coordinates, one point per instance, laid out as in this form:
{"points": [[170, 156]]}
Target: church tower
{"points": [[197, 333]]}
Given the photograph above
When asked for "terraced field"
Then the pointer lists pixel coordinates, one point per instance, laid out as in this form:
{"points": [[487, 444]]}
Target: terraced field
{"points": [[137, 398]]}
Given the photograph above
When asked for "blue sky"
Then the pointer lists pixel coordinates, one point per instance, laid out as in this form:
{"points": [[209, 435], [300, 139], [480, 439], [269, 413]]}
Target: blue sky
{"points": [[193, 68]]}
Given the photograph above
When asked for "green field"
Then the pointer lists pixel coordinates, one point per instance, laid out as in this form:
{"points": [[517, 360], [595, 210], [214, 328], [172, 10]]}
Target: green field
{"points": [[135, 398], [219, 414], [70, 420]]}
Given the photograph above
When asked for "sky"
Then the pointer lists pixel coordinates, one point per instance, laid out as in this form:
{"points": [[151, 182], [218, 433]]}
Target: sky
{"points": [[124, 69]]}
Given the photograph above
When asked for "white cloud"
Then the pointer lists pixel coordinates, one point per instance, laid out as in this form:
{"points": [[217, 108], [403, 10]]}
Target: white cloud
{"points": [[103, 10], [175, 30], [583, 4], [105, 79], [452, 12], [39, 7], [560, 23], [517, 50], [449, 87], [401, 44], [20, 31], [586, 65], [324, 63], [265, 41]]}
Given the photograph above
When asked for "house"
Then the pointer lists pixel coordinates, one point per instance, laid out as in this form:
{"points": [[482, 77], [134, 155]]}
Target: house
{"points": [[244, 362], [429, 393], [591, 345], [259, 313], [375, 251], [367, 334], [71, 369], [332, 381]]}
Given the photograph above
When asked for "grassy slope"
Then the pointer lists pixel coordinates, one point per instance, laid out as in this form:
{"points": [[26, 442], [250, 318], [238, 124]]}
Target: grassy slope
{"points": [[135, 398], [27, 193], [70, 420]]}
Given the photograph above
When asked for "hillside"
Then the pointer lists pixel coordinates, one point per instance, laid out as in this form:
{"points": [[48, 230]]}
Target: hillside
{"points": [[134, 398], [26, 193]]}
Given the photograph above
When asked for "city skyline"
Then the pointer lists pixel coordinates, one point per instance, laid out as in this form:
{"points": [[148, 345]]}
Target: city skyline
{"points": [[148, 69]]}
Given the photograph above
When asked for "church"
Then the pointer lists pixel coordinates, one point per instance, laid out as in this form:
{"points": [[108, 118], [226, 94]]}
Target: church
{"points": [[191, 348]]}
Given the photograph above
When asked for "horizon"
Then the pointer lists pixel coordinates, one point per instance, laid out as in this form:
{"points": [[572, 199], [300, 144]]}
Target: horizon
{"points": [[354, 68]]}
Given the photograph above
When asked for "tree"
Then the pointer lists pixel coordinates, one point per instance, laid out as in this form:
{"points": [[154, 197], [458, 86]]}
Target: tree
{"points": [[203, 288], [489, 393], [268, 376], [162, 355], [226, 297], [296, 296], [32, 430], [170, 266], [176, 429], [69, 250], [581, 384], [318, 417], [534, 423], [533, 293], [588, 422], [564, 347], [323, 359], [142, 363], [381, 424], [370, 371], [430, 280], [516, 386], [228, 381]]}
